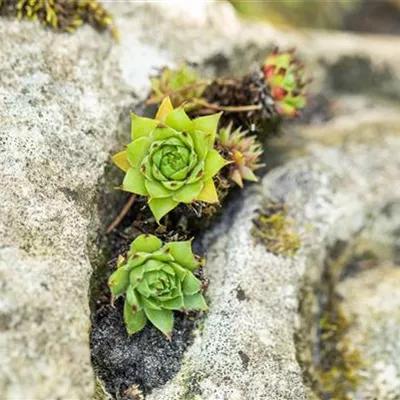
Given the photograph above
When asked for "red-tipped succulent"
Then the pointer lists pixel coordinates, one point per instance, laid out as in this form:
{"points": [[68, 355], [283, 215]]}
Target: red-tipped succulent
{"points": [[284, 75]]}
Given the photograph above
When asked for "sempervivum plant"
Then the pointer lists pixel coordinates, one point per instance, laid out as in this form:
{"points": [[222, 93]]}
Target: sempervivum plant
{"points": [[285, 78], [257, 100], [171, 159], [155, 280], [244, 151]]}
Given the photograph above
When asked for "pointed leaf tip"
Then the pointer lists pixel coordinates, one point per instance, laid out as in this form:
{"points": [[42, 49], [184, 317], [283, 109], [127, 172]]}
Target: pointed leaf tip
{"points": [[209, 193], [163, 320], [121, 160], [208, 125], [165, 108], [161, 207], [213, 164]]}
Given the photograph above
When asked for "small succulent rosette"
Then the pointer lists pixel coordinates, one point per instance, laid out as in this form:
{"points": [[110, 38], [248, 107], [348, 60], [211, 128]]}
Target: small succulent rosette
{"points": [[171, 159], [155, 280], [245, 152], [284, 75], [183, 86]]}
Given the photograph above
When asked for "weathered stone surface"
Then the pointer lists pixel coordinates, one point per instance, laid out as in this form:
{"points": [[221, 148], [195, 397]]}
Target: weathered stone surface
{"points": [[64, 100], [60, 101], [373, 302], [246, 349]]}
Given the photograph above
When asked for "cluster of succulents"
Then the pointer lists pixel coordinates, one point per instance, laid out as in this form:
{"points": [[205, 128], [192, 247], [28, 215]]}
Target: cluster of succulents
{"points": [[196, 148], [275, 89], [62, 15], [155, 280]]}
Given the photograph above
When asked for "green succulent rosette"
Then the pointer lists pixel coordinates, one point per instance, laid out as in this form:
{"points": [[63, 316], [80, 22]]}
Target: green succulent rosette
{"points": [[156, 280], [171, 159]]}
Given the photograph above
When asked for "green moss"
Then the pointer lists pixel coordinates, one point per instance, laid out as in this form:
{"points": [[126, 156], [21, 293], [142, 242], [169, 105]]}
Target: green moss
{"points": [[61, 15], [331, 364], [339, 365], [100, 392], [337, 362], [192, 386], [272, 227]]}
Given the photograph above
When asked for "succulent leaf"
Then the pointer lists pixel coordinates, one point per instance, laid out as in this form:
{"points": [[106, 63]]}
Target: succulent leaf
{"points": [[209, 125], [195, 302], [119, 282], [178, 119], [134, 321], [214, 162], [209, 193], [137, 150], [146, 243], [121, 161], [174, 304], [171, 159], [182, 254], [163, 320], [161, 207], [141, 126], [191, 285], [188, 193], [157, 279], [134, 182]]}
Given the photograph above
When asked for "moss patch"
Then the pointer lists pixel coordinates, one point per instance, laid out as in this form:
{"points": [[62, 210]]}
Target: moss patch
{"points": [[332, 366], [61, 15], [339, 363], [273, 228]]}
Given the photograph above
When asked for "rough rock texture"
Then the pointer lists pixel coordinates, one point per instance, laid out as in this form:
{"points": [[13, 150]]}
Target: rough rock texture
{"points": [[64, 100], [60, 101], [371, 299], [246, 349]]}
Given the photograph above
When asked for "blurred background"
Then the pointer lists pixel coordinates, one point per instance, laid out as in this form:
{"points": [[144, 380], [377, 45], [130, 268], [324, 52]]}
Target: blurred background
{"points": [[375, 16]]}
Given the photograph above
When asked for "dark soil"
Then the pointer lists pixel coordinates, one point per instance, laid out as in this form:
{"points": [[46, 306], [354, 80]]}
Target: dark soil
{"points": [[147, 359]]}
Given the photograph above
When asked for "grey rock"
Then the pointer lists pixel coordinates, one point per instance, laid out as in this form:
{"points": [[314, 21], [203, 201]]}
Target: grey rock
{"points": [[372, 301], [60, 101], [64, 101], [246, 349]]}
